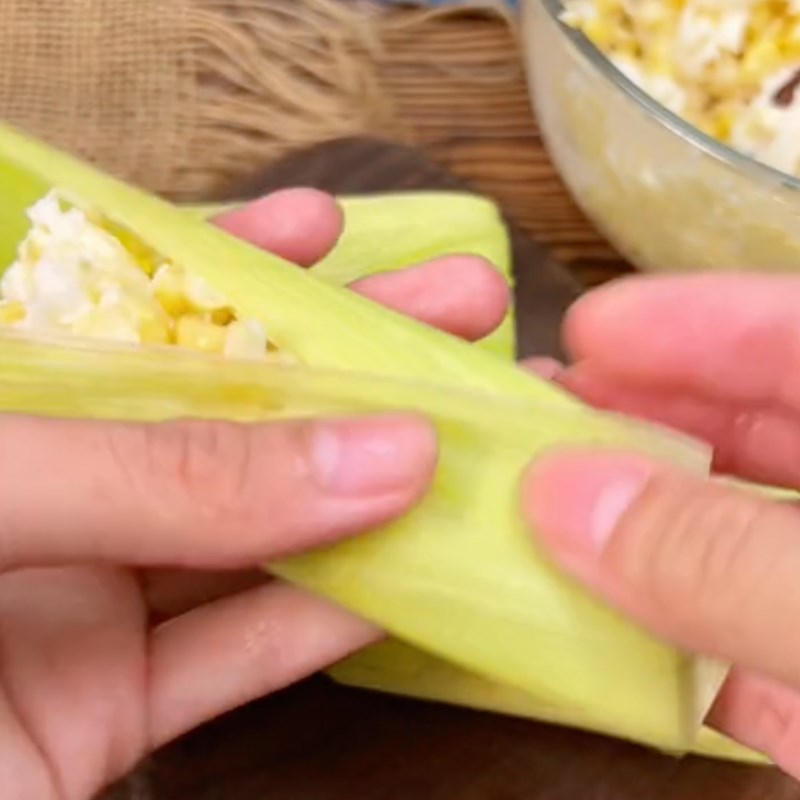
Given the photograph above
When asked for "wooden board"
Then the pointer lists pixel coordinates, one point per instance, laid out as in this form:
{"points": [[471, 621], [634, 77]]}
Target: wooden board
{"points": [[320, 741], [459, 85]]}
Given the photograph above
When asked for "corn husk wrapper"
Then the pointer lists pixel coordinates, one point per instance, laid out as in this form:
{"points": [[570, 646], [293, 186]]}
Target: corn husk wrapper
{"points": [[369, 244], [459, 577]]}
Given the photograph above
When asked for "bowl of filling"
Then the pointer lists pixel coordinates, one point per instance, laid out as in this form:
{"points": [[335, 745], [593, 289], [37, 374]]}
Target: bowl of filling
{"points": [[675, 124]]}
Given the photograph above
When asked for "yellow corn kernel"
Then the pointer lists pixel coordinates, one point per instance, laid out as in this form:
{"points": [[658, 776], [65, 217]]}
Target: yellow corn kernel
{"points": [[790, 49], [245, 340], [170, 290], [11, 312], [144, 256], [761, 59], [201, 296], [200, 334], [155, 331], [658, 58], [222, 316], [720, 124]]}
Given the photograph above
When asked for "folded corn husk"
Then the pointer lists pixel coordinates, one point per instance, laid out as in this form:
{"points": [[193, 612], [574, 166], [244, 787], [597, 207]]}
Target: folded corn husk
{"points": [[458, 577], [368, 245]]}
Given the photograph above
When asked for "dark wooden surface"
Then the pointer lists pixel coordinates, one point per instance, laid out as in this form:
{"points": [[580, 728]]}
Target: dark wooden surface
{"points": [[320, 741]]}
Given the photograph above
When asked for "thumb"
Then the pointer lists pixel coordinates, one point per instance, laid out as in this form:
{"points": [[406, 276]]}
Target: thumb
{"points": [[708, 566]]}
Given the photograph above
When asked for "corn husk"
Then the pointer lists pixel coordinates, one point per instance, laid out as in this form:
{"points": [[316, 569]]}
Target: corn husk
{"points": [[459, 577], [370, 245]]}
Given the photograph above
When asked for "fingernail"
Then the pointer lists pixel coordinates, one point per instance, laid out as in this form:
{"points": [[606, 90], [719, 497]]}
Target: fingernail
{"points": [[575, 501], [372, 456], [544, 367]]}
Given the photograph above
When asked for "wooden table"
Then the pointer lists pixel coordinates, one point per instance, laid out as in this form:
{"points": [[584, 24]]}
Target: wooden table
{"points": [[322, 742], [318, 741]]}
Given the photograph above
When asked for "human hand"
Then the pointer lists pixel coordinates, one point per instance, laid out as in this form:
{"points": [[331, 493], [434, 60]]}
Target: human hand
{"points": [[127, 614], [712, 568]]}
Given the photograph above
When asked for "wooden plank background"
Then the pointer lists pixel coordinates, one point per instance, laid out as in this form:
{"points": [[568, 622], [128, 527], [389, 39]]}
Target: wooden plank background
{"points": [[459, 84]]}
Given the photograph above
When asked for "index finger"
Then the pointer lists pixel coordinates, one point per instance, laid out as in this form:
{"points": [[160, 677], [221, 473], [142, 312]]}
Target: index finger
{"points": [[300, 225], [733, 337], [201, 494]]}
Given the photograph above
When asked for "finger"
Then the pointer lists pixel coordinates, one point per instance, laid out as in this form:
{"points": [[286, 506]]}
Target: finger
{"points": [[199, 493], [73, 645], [225, 654], [762, 714], [300, 225], [702, 564], [171, 592], [462, 295], [544, 367], [757, 442], [726, 336], [479, 290]]}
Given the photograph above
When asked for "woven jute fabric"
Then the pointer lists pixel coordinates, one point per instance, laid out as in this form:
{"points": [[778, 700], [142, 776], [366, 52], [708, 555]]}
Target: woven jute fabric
{"points": [[181, 95]]}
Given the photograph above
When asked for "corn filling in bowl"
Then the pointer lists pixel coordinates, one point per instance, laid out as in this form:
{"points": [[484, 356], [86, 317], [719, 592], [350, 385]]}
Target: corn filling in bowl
{"points": [[729, 67], [675, 124]]}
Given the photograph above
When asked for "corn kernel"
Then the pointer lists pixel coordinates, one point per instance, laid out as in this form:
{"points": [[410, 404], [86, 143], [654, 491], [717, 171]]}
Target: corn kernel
{"points": [[721, 124], [11, 312], [170, 291], [82, 274], [201, 296], [222, 316], [199, 334], [761, 59], [154, 331], [245, 340], [147, 260]]}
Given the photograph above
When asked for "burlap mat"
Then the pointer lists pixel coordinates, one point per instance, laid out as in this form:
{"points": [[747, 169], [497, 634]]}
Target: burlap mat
{"points": [[181, 95]]}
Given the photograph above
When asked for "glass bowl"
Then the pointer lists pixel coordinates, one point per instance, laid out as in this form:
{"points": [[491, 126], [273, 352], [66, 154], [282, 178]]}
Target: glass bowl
{"points": [[665, 195]]}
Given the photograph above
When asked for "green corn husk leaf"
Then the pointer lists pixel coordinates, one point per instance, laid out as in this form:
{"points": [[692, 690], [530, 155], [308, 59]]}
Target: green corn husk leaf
{"points": [[459, 576], [370, 245], [206, 211], [393, 666], [386, 232]]}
